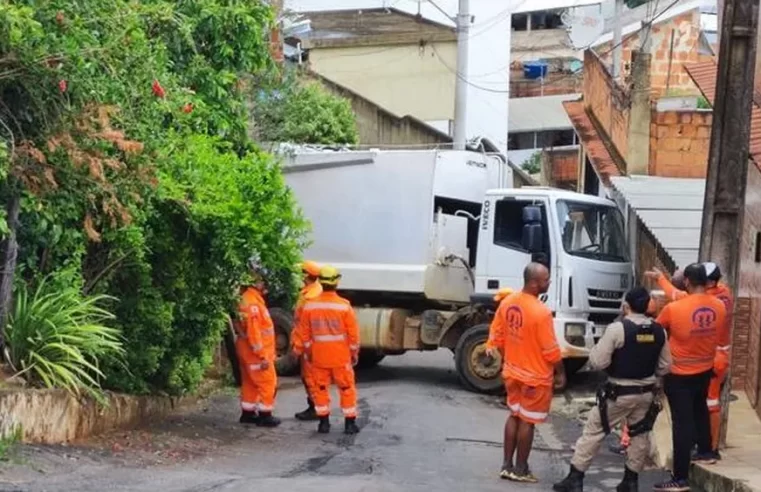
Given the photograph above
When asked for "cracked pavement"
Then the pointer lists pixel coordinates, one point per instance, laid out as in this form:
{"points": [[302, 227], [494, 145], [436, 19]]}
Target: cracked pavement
{"points": [[420, 431]]}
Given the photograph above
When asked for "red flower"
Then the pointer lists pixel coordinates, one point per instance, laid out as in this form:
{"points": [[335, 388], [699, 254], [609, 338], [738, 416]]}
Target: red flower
{"points": [[158, 91], [62, 85], [188, 108]]}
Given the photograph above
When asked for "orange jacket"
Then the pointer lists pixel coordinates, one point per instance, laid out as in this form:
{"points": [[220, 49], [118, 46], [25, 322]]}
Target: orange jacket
{"points": [[328, 331], [721, 292], [523, 331], [693, 324], [256, 330], [310, 291]]}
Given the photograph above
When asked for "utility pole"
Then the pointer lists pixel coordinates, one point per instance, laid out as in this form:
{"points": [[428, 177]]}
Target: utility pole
{"points": [[461, 85], [724, 205], [617, 39]]}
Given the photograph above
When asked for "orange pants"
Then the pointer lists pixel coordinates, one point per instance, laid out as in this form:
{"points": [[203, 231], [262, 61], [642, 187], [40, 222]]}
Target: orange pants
{"points": [[720, 367], [529, 403], [343, 377], [307, 376], [258, 387]]}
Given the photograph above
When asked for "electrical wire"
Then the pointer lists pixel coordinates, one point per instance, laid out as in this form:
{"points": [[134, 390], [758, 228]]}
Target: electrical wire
{"points": [[555, 81]]}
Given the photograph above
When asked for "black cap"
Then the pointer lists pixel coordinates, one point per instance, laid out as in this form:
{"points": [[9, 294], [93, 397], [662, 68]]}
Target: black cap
{"points": [[713, 272], [638, 299]]}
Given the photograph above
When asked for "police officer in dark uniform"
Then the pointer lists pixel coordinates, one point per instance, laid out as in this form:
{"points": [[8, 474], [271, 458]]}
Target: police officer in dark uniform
{"points": [[635, 353]]}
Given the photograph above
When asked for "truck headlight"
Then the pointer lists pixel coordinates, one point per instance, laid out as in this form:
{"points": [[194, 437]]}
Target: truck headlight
{"points": [[574, 333], [575, 330]]}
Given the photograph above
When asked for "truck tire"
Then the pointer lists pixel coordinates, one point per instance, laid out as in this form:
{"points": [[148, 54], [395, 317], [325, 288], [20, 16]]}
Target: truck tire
{"points": [[476, 373], [574, 365], [369, 358], [232, 355], [285, 365]]}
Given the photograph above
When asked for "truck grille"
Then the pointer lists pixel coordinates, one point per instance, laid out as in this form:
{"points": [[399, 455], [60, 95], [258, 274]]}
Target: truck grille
{"points": [[605, 299]]}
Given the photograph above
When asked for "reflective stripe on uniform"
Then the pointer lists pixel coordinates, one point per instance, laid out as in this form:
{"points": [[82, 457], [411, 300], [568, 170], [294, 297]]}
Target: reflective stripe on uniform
{"points": [[248, 406], [350, 412], [713, 403], [257, 347], [533, 415], [354, 347], [692, 360], [308, 344], [265, 408], [321, 410], [328, 306], [725, 348], [255, 367], [329, 338], [514, 408]]}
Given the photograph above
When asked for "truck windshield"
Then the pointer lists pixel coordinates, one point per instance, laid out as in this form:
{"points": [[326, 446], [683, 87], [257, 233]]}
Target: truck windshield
{"points": [[592, 231]]}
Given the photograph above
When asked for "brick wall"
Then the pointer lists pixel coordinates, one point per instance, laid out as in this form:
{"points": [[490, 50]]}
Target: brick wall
{"points": [[746, 341], [679, 143], [554, 84], [562, 167], [686, 29], [607, 101]]}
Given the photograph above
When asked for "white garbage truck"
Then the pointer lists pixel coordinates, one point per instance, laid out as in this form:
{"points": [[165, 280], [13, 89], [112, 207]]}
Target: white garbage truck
{"points": [[425, 238]]}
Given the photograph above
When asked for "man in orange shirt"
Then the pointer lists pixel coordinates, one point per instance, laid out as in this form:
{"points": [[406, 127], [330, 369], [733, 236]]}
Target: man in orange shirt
{"points": [[330, 337], [255, 346], [693, 324], [310, 290], [721, 291], [522, 332]]}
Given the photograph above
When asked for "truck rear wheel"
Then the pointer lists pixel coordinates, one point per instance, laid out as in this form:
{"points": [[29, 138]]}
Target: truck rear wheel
{"points": [[477, 373], [574, 365], [369, 358], [284, 364]]}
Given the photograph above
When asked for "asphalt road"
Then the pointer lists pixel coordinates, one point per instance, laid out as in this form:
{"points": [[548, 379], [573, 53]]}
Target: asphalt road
{"points": [[420, 432]]}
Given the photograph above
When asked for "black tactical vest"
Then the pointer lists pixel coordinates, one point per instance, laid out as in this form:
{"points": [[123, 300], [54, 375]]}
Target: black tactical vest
{"points": [[638, 358]]}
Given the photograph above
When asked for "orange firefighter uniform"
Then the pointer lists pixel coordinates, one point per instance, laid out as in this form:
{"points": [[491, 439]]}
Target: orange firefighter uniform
{"points": [[522, 331], [255, 345], [308, 292], [329, 335], [721, 361]]}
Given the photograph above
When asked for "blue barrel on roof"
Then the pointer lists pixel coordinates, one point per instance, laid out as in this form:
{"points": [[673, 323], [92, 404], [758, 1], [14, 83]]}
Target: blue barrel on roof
{"points": [[535, 69]]}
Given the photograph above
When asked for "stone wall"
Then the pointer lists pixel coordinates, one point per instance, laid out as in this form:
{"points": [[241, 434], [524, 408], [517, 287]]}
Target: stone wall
{"points": [[607, 101], [679, 143], [561, 168]]}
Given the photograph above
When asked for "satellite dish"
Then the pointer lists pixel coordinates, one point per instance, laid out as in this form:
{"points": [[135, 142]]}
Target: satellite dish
{"points": [[584, 25]]}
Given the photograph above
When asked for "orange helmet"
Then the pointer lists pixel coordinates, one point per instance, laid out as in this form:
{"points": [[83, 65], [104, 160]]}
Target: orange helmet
{"points": [[310, 268], [502, 293]]}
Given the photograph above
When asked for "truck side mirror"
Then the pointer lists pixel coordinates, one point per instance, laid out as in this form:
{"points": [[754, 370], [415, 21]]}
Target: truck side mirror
{"points": [[531, 238]]}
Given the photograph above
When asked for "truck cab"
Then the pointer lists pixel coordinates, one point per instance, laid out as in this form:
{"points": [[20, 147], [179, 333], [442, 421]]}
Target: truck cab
{"points": [[582, 240]]}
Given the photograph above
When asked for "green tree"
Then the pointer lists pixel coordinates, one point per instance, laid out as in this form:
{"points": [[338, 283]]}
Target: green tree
{"points": [[125, 144], [303, 112]]}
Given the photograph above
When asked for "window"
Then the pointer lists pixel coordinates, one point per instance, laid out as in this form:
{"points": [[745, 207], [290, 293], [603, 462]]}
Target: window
{"points": [[508, 225], [519, 22], [593, 231], [556, 138], [543, 19], [521, 141]]}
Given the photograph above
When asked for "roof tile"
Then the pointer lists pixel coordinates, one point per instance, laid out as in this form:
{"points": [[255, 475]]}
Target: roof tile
{"points": [[594, 146]]}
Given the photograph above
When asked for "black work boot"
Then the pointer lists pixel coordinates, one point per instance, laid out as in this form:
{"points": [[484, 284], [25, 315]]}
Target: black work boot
{"points": [[248, 417], [267, 420], [574, 482], [309, 414], [630, 483], [350, 426], [324, 425]]}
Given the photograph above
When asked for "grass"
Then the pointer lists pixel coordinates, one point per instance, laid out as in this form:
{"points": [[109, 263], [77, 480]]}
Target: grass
{"points": [[8, 443]]}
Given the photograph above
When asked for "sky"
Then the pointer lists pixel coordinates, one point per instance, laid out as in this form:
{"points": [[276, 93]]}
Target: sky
{"points": [[489, 51]]}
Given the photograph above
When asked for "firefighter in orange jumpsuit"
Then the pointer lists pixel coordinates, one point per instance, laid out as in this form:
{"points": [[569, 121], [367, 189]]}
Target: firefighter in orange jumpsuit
{"points": [[310, 290], [330, 337], [255, 345], [722, 292]]}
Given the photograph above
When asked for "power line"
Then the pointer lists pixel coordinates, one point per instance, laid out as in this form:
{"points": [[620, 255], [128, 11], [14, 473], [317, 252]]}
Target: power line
{"points": [[555, 81]]}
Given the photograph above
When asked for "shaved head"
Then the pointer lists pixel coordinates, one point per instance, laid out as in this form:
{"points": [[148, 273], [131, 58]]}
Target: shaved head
{"points": [[536, 279], [677, 280]]}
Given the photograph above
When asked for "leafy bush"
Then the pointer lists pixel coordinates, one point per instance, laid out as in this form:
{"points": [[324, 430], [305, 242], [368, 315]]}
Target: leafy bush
{"points": [[299, 112], [126, 139], [58, 338]]}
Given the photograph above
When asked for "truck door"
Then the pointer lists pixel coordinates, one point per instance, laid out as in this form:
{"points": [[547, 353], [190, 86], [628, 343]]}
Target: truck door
{"points": [[506, 232]]}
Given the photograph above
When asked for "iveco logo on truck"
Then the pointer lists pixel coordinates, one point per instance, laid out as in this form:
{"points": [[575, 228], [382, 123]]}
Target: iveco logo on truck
{"points": [[485, 216], [482, 165]]}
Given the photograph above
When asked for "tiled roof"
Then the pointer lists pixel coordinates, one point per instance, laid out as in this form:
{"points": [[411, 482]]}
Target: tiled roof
{"points": [[704, 76], [594, 146]]}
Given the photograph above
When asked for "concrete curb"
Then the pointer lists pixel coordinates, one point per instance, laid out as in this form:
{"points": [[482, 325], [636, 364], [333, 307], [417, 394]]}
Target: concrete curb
{"points": [[55, 416], [710, 481]]}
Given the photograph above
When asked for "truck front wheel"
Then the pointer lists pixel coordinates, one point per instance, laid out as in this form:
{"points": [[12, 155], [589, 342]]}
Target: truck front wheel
{"points": [[285, 365], [477, 372]]}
